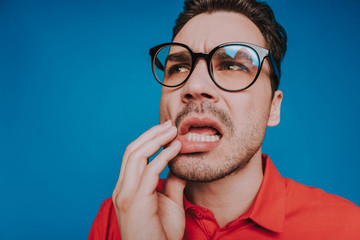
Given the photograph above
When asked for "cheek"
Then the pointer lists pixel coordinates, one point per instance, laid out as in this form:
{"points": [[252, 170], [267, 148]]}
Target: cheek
{"points": [[163, 113], [168, 105], [250, 109], [260, 96]]}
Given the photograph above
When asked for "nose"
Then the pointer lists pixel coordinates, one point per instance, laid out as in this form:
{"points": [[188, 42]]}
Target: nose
{"points": [[200, 86]]}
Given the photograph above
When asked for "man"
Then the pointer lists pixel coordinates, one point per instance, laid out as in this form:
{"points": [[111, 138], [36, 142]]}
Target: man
{"points": [[220, 77]]}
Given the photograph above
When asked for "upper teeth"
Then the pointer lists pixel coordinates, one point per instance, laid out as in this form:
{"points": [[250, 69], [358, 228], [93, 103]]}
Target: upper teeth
{"points": [[202, 137]]}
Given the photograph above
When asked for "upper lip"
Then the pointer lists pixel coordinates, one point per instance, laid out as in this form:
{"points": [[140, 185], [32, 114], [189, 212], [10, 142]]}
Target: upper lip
{"points": [[198, 121]]}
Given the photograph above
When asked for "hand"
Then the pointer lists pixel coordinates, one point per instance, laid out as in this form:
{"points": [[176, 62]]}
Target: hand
{"points": [[142, 212]]}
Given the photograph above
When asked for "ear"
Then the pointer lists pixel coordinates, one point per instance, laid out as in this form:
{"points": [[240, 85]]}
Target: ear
{"points": [[274, 117]]}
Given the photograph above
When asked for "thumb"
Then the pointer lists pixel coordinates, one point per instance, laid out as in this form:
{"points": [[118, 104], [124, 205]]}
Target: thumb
{"points": [[174, 188]]}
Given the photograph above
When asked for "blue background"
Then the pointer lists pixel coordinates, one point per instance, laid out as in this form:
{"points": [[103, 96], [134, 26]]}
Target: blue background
{"points": [[76, 88]]}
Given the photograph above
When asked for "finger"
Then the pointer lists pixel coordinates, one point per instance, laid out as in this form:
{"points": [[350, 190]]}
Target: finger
{"points": [[174, 188], [150, 177], [148, 135], [137, 160], [145, 137]]}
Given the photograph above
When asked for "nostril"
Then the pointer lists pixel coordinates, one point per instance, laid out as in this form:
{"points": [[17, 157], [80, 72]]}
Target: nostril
{"points": [[206, 95], [188, 96]]}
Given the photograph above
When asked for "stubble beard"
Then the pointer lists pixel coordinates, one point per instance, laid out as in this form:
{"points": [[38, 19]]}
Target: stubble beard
{"points": [[232, 155]]}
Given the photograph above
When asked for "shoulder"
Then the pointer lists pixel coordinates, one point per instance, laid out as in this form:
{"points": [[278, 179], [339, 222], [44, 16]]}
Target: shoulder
{"points": [[105, 225], [306, 196], [314, 207]]}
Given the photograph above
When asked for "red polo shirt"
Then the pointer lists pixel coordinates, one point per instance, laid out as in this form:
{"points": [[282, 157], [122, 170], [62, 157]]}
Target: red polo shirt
{"points": [[283, 209]]}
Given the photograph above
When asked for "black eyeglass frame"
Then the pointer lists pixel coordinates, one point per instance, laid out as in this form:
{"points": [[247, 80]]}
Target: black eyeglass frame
{"points": [[261, 53]]}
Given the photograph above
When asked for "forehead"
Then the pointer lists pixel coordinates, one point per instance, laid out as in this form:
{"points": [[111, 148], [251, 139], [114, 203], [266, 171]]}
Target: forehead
{"points": [[208, 30]]}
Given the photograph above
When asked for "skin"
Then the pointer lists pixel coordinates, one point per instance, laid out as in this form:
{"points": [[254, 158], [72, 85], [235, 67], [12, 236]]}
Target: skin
{"points": [[144, 213]]}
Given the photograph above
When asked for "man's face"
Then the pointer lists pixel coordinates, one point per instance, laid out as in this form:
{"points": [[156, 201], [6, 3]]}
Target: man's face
{"points": [[220, 131]]}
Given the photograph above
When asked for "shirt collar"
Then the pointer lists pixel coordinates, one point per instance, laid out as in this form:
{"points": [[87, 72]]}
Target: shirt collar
{"points": [[268, 209]]}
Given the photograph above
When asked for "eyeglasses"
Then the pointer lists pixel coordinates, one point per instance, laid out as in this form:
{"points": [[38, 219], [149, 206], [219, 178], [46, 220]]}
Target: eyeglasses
{"points": [[232, 66]]}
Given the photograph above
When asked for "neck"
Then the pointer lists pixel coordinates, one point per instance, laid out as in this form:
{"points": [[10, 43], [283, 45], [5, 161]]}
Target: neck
{"points": [[229, 197]]}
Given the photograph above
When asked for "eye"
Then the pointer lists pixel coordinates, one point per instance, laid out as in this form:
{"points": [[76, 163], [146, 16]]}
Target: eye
{"points": [[178, 68], [182, 69], [232, 66]]}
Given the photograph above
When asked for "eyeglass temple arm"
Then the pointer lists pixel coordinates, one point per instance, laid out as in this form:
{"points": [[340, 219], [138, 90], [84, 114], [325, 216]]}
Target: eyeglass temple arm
{"points": [[274, 66], [159, 64]]}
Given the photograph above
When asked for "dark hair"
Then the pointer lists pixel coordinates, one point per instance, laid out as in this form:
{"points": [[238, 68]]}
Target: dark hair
{"points": [[258, 12]]}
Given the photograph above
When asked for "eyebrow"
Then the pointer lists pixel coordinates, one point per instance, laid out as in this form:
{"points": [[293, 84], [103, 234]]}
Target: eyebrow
{"points": [[178, 57], [174, 57]]}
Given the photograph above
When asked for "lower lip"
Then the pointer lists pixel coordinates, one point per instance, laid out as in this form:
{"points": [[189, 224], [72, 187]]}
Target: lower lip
{"points": [[196, 147]]}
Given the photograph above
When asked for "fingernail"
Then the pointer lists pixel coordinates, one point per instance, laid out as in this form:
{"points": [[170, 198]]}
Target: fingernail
{"points": [[167, 123]]}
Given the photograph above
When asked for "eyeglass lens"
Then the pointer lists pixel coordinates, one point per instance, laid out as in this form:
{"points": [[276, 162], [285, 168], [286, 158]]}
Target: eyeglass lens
{"points": [[232, 67]]}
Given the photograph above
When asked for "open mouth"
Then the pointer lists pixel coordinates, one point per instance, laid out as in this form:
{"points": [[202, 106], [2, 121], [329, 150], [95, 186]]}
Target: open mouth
{"points": [[199, 135], [203, 134]]}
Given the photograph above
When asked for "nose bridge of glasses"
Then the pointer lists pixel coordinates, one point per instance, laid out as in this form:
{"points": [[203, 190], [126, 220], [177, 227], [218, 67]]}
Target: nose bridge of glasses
{"points": [[198, 74], [197, 57], [198, 84]]}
